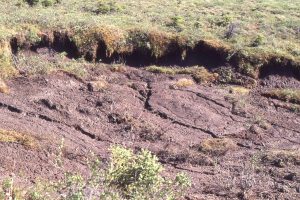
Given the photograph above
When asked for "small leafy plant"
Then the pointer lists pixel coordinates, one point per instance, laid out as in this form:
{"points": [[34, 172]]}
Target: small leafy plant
{"points": [[139, 176], [128, 176]]}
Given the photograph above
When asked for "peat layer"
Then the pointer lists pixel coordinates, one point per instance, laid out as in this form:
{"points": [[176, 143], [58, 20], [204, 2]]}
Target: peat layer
{"points": [[137, 48]]}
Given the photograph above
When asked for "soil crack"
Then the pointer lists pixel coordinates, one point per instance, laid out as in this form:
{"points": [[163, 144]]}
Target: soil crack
{"points": [[89, 134], [284, 127], [147, 104], [204, 97], [10, 108], [80, 129], [165, 116]]}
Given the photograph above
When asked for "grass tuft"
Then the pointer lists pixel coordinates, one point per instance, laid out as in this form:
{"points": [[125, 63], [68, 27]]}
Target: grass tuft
{"points": [[200, 74], [217, 146], [3, 87], [6, 67], [183, 82], [281, 158], [239, 90], [288, 95], [26, 140], [162, 70], [97, 86]]}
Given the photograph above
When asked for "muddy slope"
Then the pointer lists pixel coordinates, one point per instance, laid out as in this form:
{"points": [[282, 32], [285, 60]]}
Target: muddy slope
{"points": [[139, 109]]}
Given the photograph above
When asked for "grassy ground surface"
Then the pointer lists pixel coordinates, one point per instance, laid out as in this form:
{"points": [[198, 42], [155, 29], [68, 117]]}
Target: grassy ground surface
{"points": [[270, 26]]}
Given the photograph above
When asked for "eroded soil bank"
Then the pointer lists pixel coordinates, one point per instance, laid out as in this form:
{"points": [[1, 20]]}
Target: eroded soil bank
{"points": [[234, 143]]}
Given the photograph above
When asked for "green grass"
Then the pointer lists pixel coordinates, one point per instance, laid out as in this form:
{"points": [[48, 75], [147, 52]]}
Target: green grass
{"points": [[250, 32], [269, 25]]}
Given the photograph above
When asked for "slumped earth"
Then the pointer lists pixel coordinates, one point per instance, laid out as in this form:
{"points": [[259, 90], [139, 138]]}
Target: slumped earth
{"points": [[234, 143]]}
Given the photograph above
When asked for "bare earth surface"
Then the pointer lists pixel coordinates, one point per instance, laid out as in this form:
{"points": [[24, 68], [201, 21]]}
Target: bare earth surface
{"points": [[140, 109]]}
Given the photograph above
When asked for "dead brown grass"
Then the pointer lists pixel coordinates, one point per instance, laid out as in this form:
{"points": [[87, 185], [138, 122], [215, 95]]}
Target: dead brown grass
{"points": [[217, 146], [3, 87], [200, 74], [26, 140], [184, 82], [162, 43], [281, 158], [98, 86], [6, 67], [239, 90], [115, 40], [118, 68]]}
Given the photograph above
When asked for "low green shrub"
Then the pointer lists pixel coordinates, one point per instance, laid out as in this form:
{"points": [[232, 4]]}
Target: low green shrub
{"points": [[138, 176], [128, 176]]}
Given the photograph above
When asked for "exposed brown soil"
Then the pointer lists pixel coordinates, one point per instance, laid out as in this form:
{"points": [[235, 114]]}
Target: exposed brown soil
{"points": [[233, 146]]}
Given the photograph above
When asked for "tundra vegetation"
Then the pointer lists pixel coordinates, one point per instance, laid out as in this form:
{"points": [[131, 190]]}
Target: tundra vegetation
{"points": [[252, 33], [128, 176], [246, 38]]}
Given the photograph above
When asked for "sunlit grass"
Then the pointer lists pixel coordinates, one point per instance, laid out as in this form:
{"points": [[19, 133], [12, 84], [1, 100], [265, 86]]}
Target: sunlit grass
{"points": [[239, 23]]}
